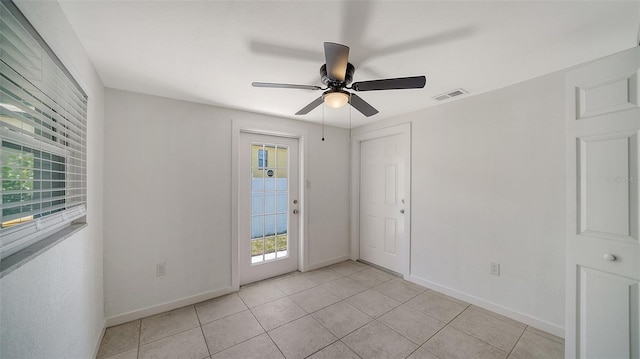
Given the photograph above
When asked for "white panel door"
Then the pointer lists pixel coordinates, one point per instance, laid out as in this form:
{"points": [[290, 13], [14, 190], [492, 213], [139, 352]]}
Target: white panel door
{"points": [[382, 201], [268, 206], [603, 252]]}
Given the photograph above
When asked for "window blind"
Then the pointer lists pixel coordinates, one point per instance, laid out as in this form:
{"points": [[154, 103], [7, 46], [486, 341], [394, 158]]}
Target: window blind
{"points": [[43, 129]]}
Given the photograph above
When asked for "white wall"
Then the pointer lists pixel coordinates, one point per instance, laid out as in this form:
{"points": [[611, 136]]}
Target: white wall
{"points": [[328, 196], [52, 307], [488, 185], [168, 199]]}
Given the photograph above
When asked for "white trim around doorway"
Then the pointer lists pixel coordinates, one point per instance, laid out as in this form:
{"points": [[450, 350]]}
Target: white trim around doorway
{"points": [[401, 129], [282, 130]]}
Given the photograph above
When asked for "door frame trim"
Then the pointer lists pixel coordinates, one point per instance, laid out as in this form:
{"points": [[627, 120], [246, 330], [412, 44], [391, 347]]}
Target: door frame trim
{"points": [[280, 130], [354, 240]]}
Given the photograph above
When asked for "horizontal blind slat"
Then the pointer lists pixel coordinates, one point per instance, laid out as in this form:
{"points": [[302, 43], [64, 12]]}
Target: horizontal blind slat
{"points": [[13, 88], [46, 208], [10, 23], [43, 128]]}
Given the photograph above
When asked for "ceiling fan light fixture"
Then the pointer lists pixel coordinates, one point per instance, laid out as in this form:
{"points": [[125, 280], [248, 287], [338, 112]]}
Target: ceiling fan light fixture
{"points": [[336, 74], [336, 99]]}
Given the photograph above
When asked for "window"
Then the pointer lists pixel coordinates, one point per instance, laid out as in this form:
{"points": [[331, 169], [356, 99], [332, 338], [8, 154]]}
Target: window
{"points": [[43, 132], [262, 158]]}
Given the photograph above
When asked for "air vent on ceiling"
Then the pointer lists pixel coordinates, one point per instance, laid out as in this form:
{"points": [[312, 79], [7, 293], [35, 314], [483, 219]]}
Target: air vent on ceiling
{"points": [[450, 94]]}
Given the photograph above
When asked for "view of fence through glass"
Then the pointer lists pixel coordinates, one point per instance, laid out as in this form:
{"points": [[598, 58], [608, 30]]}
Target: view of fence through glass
{"points": [[269, 202]]}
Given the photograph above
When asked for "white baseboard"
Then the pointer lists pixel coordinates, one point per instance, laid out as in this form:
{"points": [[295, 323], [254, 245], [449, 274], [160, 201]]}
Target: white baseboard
{"points": [[515, 315], [96, 347], [325, 263], [161, 308]]}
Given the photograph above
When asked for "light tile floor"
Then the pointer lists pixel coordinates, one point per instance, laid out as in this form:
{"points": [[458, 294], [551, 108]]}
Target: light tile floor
{"points": [[347, 310]]}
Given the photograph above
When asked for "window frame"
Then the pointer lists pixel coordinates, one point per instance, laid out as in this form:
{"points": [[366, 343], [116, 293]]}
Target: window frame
{"points": [[36, 146], [66, 96]]}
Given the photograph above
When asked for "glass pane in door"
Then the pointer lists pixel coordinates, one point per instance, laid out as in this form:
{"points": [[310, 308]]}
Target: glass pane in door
{"points": [[269, 202]]}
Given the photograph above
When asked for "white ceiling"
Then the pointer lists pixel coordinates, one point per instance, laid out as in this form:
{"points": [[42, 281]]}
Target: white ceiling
{"points": [[210, 51]]}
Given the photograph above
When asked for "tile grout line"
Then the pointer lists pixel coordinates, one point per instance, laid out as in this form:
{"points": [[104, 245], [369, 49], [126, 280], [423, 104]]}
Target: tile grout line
{"points": [[268, 335], [517, 341], [444, 326], [469, 307], [310, 314], [376, 317], [339, 339], [169, 336], [321, 285], [418, 348], [358, 309], [497, 316], [202, 331], [473, 336], [223, 317], [336, 294], [345, 344], [395, 331], [243, 302], [266, 282], [265, 332], [276, 344], [431, 316], [401, 304], [405, 302], [402, 335], [484, 341], [334, 271], [243, 341], [272, 279], [345, 300], [373, 319], [139, 340], [326, 346], [272, 300], [542, 336]]}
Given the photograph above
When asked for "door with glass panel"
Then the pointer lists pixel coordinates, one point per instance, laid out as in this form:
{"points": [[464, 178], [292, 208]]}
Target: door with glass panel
{"points": [[268, 208]]}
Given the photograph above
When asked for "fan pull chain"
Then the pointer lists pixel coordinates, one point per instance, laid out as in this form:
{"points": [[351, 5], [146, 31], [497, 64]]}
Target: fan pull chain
{"points": [[323, 122], [350, 109]]}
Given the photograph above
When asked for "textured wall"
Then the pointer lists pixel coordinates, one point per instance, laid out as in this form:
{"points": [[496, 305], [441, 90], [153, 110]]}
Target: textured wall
{"points": [[52, 307], [168, 198], [488, 186]]}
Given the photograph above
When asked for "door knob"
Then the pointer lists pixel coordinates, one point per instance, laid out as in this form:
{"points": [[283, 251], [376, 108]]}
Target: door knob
{"points": [[609, 257], [295, 211], [402, 211]]}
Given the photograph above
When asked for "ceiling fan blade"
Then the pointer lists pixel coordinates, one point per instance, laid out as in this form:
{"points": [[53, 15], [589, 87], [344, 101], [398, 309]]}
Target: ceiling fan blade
{"points": [[285, 86], [361, 105], [336, 57], [305, 110], [401, 83]]}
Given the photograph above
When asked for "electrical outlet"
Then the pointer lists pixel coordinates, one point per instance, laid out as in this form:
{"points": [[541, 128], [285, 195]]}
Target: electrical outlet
{"points": [[161, 269], [494, 268]]}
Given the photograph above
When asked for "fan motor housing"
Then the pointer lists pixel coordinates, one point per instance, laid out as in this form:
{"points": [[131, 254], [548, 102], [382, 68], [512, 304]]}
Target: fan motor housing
{"points": [[348, 76]]}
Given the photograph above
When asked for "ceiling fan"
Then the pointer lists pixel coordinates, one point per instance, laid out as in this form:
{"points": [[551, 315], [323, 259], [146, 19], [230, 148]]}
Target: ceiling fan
{"points": [[337, 74]]}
